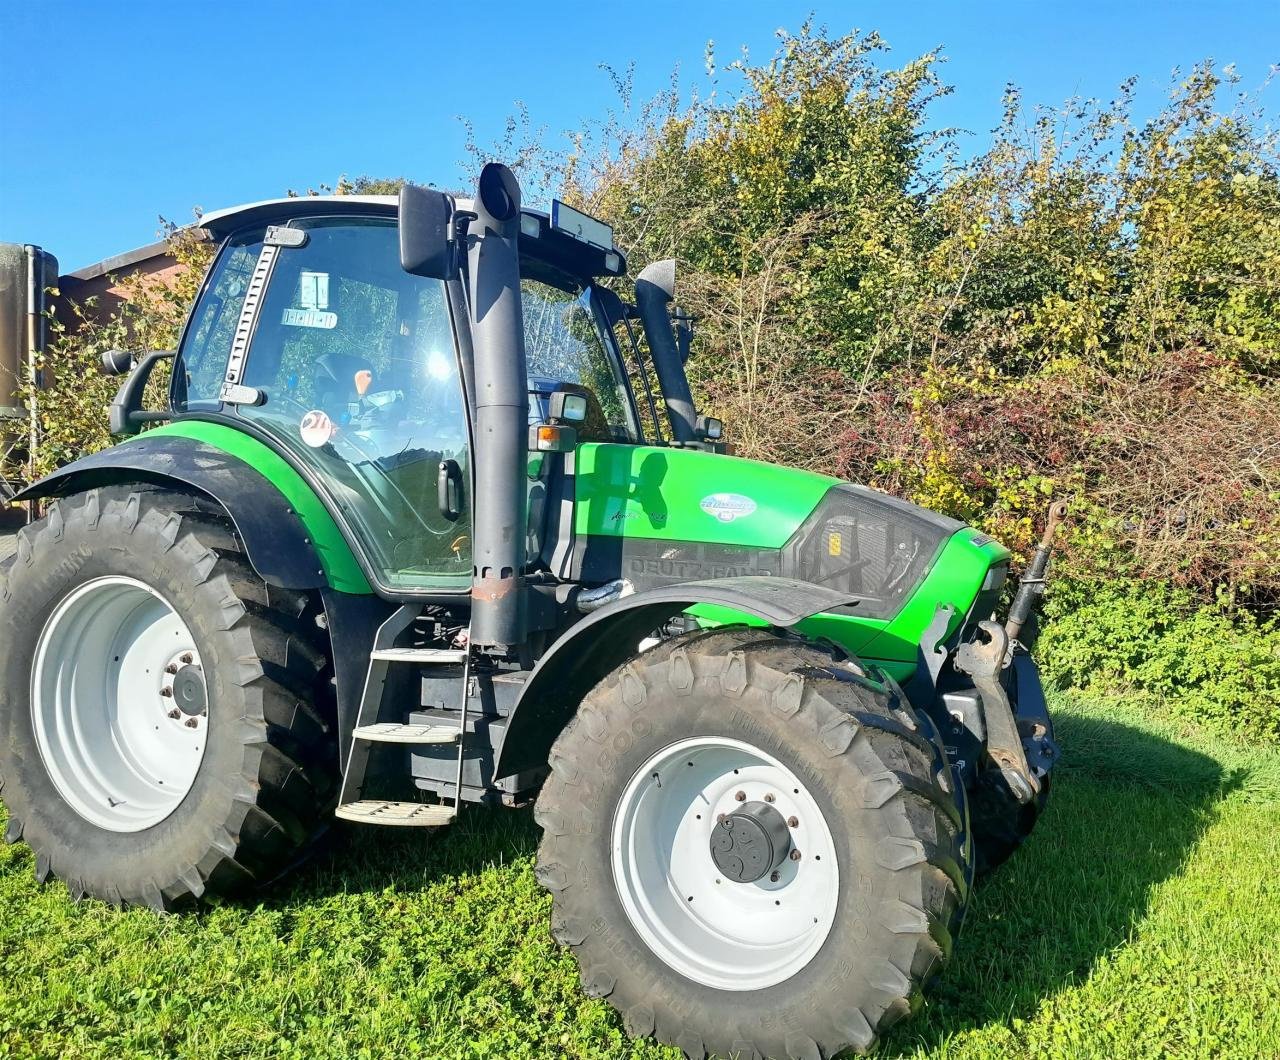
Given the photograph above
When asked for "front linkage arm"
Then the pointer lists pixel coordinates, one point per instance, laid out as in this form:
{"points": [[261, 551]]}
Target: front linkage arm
{"points": [[1031, 587], [984, 661]]}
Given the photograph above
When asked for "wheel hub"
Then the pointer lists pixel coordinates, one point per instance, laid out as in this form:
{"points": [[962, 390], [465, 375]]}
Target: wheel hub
{"points": [[189, 692], [750, 843]]}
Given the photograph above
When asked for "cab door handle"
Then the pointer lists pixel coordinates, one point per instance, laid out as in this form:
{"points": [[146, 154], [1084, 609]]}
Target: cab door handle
{"points": [[449, 489]]}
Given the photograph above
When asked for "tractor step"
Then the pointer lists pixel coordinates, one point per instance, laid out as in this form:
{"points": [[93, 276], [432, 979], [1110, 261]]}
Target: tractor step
{"points": [[399, 732], [424, 656], [373, 726], [402, 814]]}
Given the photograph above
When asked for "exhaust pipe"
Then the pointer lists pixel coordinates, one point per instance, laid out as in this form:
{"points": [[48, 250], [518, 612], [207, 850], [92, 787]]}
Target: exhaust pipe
{"points": [[655, 290], [501, 411]]}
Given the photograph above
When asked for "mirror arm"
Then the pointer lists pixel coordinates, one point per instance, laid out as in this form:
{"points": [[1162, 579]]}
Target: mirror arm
{"points": [[125, 416]]}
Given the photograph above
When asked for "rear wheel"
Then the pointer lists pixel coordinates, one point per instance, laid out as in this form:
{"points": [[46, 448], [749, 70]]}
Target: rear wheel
{"points": [[753, 848], [159, 738]]}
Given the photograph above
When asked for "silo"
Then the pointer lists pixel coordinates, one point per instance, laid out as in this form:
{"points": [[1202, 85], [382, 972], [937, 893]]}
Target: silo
{"points": [[26, 274]]}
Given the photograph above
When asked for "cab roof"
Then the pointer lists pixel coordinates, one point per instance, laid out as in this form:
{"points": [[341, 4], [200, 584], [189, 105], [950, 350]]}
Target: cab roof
{"points": [[219, 223], [554, 250]]}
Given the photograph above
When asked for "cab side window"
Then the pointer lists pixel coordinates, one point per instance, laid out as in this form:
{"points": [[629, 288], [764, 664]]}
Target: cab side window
{"points": [[207, 342]]}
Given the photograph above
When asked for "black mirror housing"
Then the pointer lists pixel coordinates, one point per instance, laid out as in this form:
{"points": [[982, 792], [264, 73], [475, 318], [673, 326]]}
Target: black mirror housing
{"points": [[125, 416], [427, 246], [116, 362]]}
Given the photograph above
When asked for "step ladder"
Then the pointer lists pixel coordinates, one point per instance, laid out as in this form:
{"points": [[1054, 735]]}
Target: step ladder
{"points": [[370, 730]]}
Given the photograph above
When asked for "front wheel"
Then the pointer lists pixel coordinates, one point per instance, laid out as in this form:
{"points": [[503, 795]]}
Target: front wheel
{"points": [[752, 848]]}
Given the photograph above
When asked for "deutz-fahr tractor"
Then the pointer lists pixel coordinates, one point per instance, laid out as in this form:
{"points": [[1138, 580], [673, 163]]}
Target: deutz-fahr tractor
{"points": [[431, 519]]}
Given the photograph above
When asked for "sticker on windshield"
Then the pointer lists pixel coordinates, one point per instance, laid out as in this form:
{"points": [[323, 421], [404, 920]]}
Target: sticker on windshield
{"points": [[310, 318], [727, 506], [313, 290], [316, 428]]}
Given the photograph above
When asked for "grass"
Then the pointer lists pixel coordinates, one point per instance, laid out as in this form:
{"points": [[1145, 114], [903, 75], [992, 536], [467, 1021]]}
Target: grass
{"points": [[1141, 920]]}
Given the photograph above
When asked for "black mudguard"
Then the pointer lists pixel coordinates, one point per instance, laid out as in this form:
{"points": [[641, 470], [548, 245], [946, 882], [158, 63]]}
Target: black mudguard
{"points": [[605, 639], [275, 539]]}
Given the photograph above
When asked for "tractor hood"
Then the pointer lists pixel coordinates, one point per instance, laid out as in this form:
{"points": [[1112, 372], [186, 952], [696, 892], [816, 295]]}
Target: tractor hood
{"points": [[657, 516]]}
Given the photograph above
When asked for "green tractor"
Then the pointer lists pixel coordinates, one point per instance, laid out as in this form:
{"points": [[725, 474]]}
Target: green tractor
{"points": [[412, 533]]}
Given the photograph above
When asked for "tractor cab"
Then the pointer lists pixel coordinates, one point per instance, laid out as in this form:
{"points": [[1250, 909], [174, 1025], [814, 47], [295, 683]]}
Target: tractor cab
{"points": [[359, 371]]}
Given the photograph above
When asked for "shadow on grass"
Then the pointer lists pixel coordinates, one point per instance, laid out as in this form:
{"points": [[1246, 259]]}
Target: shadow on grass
{"points": [[1127, 809]]}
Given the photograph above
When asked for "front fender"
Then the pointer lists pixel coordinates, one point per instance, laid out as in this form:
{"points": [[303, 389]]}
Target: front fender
{"points": [[280, 533], [608, 637]]}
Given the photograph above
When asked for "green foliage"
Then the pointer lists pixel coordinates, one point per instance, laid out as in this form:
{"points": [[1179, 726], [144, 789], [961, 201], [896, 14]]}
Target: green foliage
{"points": [[1088, 308], [1138, 921], [1208, 664]]}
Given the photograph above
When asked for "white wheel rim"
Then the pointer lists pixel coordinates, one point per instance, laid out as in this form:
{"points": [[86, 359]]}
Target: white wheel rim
{"points": [[103, 708], [726, 935]]}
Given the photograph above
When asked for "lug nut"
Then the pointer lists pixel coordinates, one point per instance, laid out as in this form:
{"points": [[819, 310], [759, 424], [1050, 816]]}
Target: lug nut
{"points": [[175, 714], [188, 658], [172, 668], [192, 724], [794, 855], [774, 876], [167, 693], [741, 796], [769, 797], [720, 818], [793, 822]]}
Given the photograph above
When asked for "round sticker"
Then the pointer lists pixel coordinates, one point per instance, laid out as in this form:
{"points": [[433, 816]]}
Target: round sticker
{"points": [[316, 428], [727, 506]]}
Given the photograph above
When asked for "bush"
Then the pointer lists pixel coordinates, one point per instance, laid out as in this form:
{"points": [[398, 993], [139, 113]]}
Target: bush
{"points": [[1088, 308], [1211, 665]]}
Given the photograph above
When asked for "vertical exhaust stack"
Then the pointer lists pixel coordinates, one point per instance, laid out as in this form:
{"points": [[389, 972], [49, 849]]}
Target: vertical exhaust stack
{"points": [[501, 411], [655, 290]]}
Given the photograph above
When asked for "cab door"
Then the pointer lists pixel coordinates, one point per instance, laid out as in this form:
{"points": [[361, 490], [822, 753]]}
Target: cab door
{"points": [[355, 361]]}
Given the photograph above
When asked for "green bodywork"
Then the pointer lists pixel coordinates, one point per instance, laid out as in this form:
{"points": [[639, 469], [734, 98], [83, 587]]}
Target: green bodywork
{"points": [[644, 493], [641, 492]]}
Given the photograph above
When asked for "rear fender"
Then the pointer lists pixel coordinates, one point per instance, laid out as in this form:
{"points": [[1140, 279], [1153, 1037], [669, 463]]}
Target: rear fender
{"points": [[604, 640], [276, 541]]}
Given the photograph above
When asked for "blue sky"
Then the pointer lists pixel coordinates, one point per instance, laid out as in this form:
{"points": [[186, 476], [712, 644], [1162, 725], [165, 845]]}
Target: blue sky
{"points": [[125, 112]]}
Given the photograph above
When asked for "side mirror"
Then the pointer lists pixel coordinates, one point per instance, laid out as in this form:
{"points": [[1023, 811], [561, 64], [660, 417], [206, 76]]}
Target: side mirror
{"points": [[566, 407], [125, 416], [427, 247], [710, 428]]}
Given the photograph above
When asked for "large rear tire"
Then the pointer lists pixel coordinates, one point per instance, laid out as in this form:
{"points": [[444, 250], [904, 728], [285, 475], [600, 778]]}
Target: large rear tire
{"points": [[159, 739], [831, 898]]}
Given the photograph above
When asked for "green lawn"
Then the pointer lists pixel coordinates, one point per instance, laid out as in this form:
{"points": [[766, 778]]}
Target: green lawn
{"points": [[1142, 920]]}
